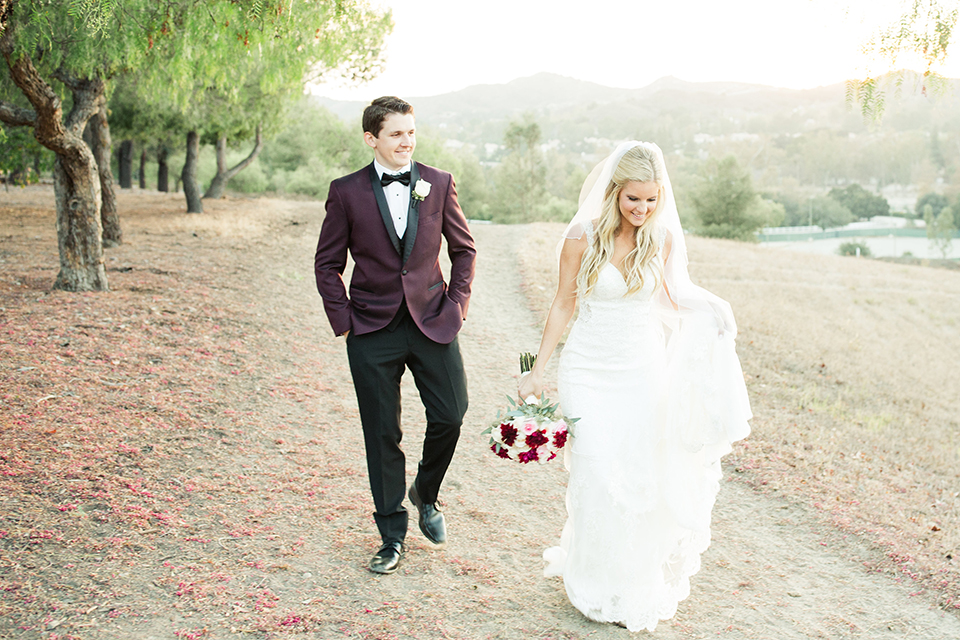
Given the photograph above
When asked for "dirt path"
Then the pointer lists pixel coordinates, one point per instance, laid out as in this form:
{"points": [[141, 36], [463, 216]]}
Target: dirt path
{"points": [[281, 525]]}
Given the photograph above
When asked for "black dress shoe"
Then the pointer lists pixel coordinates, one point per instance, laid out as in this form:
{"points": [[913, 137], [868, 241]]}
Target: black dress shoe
{"points": [[431, 521], [388, 558]]}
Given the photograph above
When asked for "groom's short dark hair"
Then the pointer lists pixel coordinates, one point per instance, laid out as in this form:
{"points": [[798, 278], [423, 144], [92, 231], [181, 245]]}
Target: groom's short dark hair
{"points": [[379, 109]]}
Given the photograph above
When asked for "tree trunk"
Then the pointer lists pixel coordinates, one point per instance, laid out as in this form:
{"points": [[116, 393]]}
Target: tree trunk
{"points": [[97, 135], [18, 177], [76, 187], [224, 175], [126, 164], [143, 168], [163, 171], [75, 178], [215, 190], [191, 188]]}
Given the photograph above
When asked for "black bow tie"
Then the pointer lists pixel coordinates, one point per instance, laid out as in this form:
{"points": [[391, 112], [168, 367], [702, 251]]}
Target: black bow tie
{"points": [[402, 178]]}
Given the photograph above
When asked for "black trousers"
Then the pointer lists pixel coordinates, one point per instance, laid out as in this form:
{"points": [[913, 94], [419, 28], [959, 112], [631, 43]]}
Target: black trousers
{"points": [[377, 362]]}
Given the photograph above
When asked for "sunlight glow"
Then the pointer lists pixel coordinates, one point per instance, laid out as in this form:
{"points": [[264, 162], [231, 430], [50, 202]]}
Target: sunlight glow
{"points": [[439, 46]]}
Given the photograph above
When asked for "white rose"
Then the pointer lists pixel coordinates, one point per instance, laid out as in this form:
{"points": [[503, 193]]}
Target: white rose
{"points": [[421, 189]]}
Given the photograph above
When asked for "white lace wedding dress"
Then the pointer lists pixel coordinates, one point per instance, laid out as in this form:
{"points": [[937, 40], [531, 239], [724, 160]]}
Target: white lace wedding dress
{"points": [[644, 459]]}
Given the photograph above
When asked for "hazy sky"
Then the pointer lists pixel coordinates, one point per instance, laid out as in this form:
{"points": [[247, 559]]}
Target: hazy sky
{"points": [[438, 46]]}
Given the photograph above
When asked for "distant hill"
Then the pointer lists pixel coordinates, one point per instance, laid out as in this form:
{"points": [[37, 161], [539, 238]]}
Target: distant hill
{"points": [[551, 92], [497, 100], [570, 109]]}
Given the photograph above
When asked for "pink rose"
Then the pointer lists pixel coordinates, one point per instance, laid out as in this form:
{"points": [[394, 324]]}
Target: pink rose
{"points": [[528, 426], [543, 454]]}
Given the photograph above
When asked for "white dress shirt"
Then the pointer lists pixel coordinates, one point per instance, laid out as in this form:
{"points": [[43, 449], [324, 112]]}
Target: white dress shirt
{"points": [[398, 198]]}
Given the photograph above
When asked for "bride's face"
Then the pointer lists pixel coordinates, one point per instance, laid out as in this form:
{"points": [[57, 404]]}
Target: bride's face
{"points": [[638, 201]]}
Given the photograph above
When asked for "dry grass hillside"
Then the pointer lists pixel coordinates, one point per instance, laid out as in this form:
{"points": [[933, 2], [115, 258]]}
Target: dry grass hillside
{"points": [[852, 370]]}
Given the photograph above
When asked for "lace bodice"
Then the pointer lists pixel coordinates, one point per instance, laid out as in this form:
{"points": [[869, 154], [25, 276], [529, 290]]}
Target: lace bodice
{"points": [[608, 302]]}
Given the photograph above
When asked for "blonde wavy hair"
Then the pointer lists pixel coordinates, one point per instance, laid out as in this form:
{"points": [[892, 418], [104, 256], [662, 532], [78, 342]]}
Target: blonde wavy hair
{"points": [[639, 164]]}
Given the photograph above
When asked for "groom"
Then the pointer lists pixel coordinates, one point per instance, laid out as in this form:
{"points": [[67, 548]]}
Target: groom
{"points": [[400, 313]]}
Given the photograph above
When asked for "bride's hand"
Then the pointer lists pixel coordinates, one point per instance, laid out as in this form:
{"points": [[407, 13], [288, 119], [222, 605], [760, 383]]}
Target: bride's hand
{"points": [[531, 384]]}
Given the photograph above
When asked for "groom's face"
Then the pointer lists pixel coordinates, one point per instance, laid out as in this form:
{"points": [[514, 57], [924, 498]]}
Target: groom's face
{"points": [[393, 147]]}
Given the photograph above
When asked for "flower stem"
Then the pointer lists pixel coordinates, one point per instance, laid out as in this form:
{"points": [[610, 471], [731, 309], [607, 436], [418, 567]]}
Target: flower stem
{"points": [[527, 361]]}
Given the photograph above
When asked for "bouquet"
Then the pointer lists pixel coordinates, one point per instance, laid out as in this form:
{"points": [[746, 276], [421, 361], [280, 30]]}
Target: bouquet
{"points": [[530, 432]]}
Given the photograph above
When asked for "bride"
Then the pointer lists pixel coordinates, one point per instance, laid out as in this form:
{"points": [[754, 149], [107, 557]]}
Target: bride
{"points": [[650, 369]]}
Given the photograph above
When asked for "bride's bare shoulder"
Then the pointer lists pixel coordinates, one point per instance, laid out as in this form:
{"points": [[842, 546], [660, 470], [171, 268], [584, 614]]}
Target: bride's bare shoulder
{"points": [[581, 230], [574, 246]]}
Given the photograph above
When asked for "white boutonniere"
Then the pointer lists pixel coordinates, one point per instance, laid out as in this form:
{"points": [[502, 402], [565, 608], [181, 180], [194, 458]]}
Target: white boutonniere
{"points": [[421, 190]]}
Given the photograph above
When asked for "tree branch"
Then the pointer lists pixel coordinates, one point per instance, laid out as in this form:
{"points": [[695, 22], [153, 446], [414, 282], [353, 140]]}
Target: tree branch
{"points": [[87, 98], [70, 81], [17, 116], [47, 120], [48, 127], [257, 148]]}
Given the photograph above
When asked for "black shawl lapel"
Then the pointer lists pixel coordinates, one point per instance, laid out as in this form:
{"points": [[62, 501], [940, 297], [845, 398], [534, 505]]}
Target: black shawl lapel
{"points": [[384, 208], [413, 214]]}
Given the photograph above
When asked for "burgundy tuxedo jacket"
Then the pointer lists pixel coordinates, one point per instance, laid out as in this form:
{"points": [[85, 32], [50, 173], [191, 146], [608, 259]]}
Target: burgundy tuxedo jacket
{"points": [[358, 219]]}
